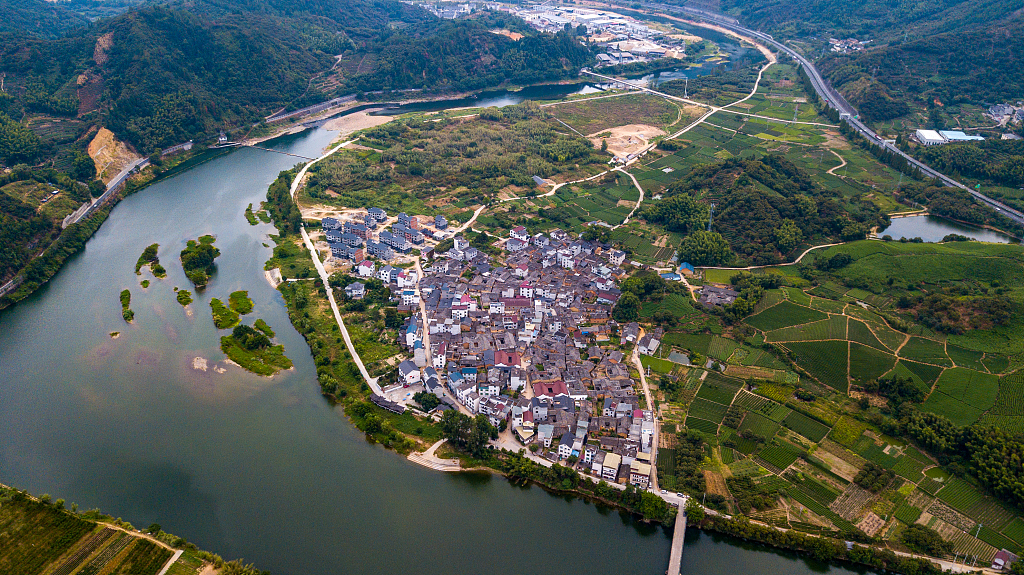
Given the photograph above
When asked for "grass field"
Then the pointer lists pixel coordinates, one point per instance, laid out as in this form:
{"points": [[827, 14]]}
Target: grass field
{"points": [[784, 314], [593, 116]]}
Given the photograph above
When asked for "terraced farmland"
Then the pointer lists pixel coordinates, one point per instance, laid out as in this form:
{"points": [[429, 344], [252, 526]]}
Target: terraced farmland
{"points": [[826, 361], [784, 314], [805, 426]]}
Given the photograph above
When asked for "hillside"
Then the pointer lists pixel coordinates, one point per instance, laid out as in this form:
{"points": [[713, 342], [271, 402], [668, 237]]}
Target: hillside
{"points": [[157, 76], [919, 54], [37, 17]]}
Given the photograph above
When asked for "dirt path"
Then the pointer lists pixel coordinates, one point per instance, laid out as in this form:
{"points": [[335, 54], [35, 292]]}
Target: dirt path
{"points": [[637, 206], [792, 263], [841, 159]]}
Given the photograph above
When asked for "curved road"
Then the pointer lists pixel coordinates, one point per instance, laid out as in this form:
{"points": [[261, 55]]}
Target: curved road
{"points": [[296, 183], [835, 100]]}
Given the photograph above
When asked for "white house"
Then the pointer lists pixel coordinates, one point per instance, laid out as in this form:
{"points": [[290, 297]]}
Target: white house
{"points": [[565, 445], [408, 372], [520, 233], [366, 269], [439, 355], [410, 297], [610, 467], [515, 245]]}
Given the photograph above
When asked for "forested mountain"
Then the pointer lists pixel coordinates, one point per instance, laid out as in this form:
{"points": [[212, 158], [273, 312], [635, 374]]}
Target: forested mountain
{"points": [[45, 19], [920, 53], [159, 75]]}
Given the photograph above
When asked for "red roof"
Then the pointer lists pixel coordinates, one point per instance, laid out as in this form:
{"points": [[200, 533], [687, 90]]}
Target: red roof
{"points": [[550, 389], [505, 358]]}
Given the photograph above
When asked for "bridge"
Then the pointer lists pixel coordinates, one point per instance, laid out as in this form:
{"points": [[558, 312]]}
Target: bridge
{"points": [[675, 557]]}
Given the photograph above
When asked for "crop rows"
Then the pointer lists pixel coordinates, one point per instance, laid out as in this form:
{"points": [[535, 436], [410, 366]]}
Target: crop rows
{"points": [[762, 405], [996, 539], [971, 546], [83, 551], [718, 389], [107, 555], [708, 410], [771, 482], [909, 468], [1010, 400], [821, 493], [930, 486], [876, 453], [974, 388], [32, 535], [825, 360], [832, 328], [907, 513], [759, 425], [1015, 530], [805, 426], [925, 351], [953, 409], [744, 468], [779, 456], [728, 455], [702, 425], [868, 363], [784, 314], [721, 348], [144, 558], [959, 495], [809, 502], [859, 333]]}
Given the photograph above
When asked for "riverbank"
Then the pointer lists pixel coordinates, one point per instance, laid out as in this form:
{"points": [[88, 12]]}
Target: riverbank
{"points": [[46, 535]]}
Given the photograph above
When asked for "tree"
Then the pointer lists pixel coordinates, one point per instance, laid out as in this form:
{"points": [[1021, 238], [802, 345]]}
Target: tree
{"points": [[427, 400], [788, 235], [391, 318], [627, 309], [704, 248], [694, 511], [83, 168]]}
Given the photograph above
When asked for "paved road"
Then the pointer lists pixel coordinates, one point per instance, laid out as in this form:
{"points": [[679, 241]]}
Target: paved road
{"points": [[296, 184], [650, 406], [834, 99]]}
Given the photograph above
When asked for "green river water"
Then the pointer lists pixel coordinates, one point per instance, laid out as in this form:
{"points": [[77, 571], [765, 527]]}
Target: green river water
{"points": [[261, 468]]}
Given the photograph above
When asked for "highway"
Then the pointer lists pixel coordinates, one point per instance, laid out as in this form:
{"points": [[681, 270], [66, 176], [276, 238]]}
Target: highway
{"points": [[835, 100]]}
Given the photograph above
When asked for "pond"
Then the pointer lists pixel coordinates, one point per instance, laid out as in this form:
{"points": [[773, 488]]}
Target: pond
{"points": [[933, 229]]}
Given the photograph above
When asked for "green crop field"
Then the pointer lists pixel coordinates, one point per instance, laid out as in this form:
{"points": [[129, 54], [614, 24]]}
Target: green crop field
{"points": [[1010, 399], [929, 374], [996, 363], [1015, 530], [867, 363], [697, 343], [828, 305], [721, 348], [762, 406], [901, 370], [831, 328], [909, 468], [959, 495], [728, 455], [657, 365], [859, 332], [907, 513], [955, 410], [925, 351], [825, 360], [718, 389], [805, 426], [707, 410], [702, 425], [676, 304], [974, 388], [816, 490], [780, 456], [797, 296], [963, 357], [847, 431], [784, 315], [759, 425], [143, 558], [32, 535]]}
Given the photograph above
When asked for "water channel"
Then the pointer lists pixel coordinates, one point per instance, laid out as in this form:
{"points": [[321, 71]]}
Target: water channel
{"points": [[934, 228], [261, 468]]}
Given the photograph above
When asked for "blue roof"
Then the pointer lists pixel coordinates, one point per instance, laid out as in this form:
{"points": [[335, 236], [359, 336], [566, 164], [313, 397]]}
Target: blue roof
{"points": [[673, 277], [686, 265]]}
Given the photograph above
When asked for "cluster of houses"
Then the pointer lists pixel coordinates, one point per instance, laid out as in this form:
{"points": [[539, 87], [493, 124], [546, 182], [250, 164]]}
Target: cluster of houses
{"points": [[353, 240], [845, 46], [939, 137], [529, 345]]}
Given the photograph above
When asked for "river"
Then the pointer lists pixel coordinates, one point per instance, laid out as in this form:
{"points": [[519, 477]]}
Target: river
{"points": [[934, 228], [259, 468]]}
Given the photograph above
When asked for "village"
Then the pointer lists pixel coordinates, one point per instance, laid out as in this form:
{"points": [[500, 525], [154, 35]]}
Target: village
{"points": [[528, 341]]}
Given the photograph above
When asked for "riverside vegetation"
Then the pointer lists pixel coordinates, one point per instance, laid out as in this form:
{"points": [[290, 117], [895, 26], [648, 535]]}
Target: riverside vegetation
{"points": [[197, 259], [46, 536]]}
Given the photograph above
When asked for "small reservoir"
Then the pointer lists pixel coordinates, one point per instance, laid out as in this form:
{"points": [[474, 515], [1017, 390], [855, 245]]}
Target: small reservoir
{"points": [[933, 229]]}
